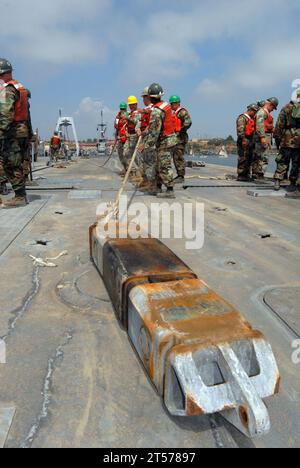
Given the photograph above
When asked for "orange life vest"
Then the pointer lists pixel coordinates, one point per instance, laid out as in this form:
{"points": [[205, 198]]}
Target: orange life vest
{"points": [[250, 127], [131, 126], [168, 128], [119, 121], [177, 120], [120, 126], [21, 106], [146, 116], [269, 122], [55, 142]]}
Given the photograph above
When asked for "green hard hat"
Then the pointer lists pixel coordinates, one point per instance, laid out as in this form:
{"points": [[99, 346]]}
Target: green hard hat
{"points": [[5, 66], [123, 106], [261, 103], [174, 99], [274, 101]]}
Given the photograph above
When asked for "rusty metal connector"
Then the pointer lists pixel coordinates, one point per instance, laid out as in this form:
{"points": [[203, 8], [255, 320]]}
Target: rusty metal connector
{"points": [[200, 353], [125, 263]]}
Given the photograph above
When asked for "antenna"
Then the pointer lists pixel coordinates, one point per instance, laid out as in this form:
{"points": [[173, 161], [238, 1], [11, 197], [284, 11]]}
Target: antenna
{"points": [[102, 127]]}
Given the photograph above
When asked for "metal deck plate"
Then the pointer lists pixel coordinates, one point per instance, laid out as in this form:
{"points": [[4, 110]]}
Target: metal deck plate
{"points": [[285, 303], [266, 193], [6, 417], [84, 195], [206, 183], [13, 221]]}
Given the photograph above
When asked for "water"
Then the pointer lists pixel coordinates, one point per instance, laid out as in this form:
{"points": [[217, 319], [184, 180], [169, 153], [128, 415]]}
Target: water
{"points": [[231, 161]]}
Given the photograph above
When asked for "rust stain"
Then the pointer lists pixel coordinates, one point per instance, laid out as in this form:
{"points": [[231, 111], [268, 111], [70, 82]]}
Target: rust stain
{"points": [[229, 407], [192, 408], [202, 330], [91, 236], [277, 386], [243, 412]]}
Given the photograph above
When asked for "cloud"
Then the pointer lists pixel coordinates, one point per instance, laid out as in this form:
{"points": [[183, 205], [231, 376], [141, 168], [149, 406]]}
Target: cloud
{"points": [[271, 66], [57, 32], [172, 42], [210, 50], [88, 116]]}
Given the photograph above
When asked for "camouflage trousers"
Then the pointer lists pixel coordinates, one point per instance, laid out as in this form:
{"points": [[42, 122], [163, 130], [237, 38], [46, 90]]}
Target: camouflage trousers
{"points": [[178, 158], [54, 154], [120, 149], [260, 159], [245, 159], [11, 165], [283, 160], [24, 144], [129, 150], [149, 165], [165, 174]]}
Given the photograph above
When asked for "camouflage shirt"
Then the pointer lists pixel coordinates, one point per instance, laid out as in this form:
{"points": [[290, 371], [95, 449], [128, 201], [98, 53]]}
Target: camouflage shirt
{"points": [[286, 131], [241, 124], [135, 118], [153, 138], [8, 99], [186, 120], [8, 128], [261, 117]]}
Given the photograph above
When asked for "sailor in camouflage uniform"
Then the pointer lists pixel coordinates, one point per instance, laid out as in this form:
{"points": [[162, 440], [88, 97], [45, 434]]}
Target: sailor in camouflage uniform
{"points": [[13, 114], [133, 122], [182, 123], [147, 157], [25, 143], [263, 138], [287, 137], [245, 142], [120, 127], [162, 138]]}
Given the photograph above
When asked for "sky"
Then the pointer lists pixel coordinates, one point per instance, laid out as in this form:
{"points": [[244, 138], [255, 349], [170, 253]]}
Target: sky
{"points": [[218, 55]]}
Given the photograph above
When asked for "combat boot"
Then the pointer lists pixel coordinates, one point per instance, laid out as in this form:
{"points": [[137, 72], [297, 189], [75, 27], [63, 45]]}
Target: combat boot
{"points": [[277, 185], [179, 180], [152, 190], [31, 183], [168, 194], [295, 193], [17, 202], [292, 188], [243, 179], [145, 186], [137, 178], [3, 192]]}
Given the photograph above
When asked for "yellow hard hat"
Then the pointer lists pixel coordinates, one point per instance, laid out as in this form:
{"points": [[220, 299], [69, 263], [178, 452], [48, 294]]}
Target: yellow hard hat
{"points": [[132, 100]]}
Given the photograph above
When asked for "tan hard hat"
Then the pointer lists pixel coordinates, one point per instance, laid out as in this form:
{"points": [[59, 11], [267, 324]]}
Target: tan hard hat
{"points": [[145, 92]]}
